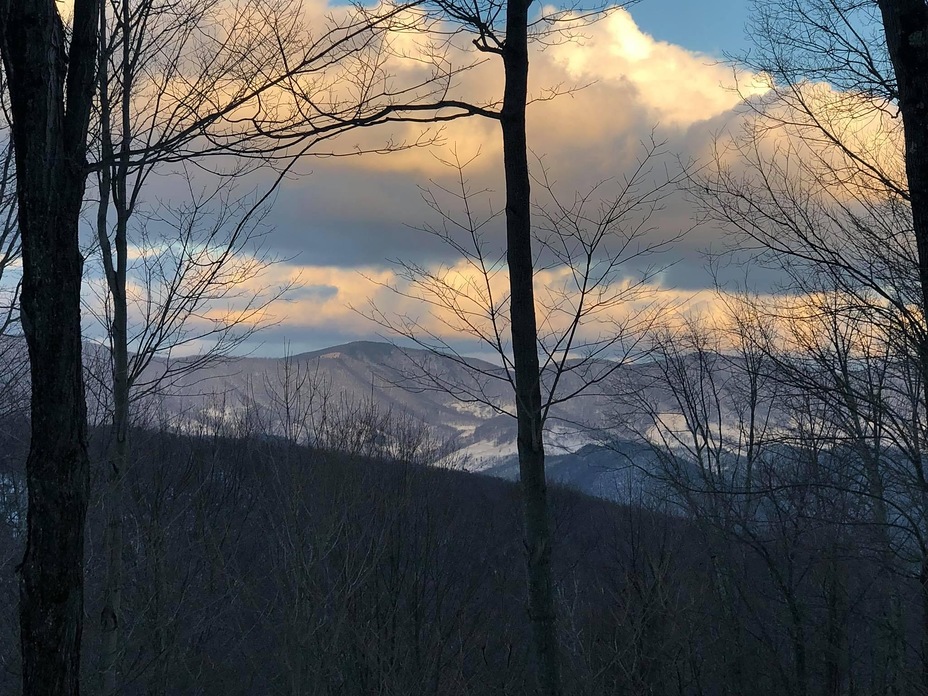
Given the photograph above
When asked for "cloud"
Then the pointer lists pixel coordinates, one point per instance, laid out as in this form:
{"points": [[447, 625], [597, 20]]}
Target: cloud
{"points": [[340, 226], [616, 84], [333, 301], [674, 86]]}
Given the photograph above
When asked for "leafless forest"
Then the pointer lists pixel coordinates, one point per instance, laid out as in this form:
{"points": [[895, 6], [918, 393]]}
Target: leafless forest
{"points": [[170, 528]]}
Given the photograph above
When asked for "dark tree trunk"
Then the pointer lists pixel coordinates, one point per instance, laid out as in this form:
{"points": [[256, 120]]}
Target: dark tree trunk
{"points": [[114, 184], [117, 462], [525, 351], [905, 23], [50, 145]]}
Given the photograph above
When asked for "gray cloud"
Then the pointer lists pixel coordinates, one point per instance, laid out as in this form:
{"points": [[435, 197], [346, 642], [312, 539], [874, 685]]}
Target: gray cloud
{"points": [[356, 214]]}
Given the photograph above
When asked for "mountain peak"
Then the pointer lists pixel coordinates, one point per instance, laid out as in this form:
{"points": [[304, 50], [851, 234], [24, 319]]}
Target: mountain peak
{"points": [[363, 350]]}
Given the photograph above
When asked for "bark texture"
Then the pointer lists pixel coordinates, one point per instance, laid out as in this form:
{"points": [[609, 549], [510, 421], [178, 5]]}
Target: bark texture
{"points": [[51, 88], [905, 23], [525, 351]]}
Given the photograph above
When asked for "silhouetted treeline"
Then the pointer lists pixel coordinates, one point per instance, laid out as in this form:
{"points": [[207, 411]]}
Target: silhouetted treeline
{"points": [[255, 566]]}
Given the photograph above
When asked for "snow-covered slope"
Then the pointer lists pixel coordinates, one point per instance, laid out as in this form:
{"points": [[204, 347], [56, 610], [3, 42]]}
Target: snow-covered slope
{"points": [[464, 401], [471, 402]]}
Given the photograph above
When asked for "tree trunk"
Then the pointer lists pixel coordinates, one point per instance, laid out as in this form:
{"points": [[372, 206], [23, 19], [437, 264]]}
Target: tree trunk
{"points": [[50, 145], [525, 351], [117, 461], [115, 182], [111, 613], [905, 23]]}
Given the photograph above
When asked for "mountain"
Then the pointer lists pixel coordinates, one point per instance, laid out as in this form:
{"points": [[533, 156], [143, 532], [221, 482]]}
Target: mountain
{"points": [[465, 402], [469, 405]]}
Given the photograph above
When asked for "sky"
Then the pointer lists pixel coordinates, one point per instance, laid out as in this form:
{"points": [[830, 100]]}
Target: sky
{"points": [[713, 27], [340, 228]]}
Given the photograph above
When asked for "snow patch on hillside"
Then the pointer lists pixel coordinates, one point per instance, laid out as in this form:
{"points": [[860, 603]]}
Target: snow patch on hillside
{"points": [[478, 410], [485, 455]]}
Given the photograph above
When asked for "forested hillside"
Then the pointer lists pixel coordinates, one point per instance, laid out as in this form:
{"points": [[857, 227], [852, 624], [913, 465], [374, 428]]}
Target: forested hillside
{"points": [[672, 254], [253, 566]]}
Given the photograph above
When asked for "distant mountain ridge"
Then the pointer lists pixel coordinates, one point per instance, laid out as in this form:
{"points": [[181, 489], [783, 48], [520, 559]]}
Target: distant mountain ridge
{"points": [[395, 379], [470, 407]]}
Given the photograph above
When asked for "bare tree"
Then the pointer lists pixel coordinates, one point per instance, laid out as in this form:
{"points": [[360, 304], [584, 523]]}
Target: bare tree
{"points": [[189, 291], [759, 460], [594, 314], [10, 248], [248, 86], [874, 54], [13, 356], [852, 322], [50, 78], [904, 23]]}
